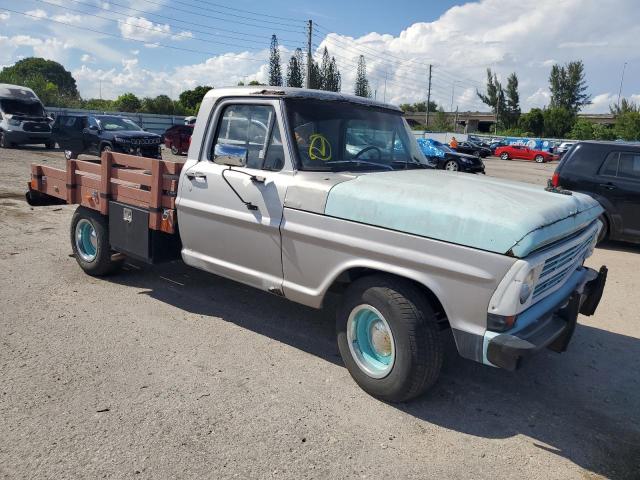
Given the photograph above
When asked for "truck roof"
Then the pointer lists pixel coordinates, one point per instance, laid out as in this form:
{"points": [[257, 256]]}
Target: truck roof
{"points": [[17, 92], [292, 92]]}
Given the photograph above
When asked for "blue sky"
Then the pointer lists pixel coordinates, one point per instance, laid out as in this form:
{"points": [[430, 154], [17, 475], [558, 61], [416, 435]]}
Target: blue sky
{"points": [[183, 43]]}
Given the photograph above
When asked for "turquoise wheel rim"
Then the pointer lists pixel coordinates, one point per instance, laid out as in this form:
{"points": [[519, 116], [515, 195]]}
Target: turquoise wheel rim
{"points": [[371, 341], [86, 240]]}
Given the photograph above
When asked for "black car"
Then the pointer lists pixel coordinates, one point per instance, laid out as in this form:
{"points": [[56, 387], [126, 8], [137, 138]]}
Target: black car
{"points": [[94, 134], [610, 173], [473, 148], [442, 157]]}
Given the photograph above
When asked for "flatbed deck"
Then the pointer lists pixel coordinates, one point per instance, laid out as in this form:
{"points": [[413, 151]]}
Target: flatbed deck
{"points": [[142, 182]]}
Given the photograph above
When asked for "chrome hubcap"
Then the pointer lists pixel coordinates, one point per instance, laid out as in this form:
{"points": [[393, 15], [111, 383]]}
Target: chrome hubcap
{"points": [[86, 240], [452, 166], [370, 341]]}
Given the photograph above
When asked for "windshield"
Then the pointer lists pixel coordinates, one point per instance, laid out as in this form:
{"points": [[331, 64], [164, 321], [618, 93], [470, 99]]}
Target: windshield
{"points": [[20, 107], [113, 124], [341, 136]]}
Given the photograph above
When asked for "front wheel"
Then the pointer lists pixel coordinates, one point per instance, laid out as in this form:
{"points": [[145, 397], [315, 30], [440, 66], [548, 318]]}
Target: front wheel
{"points": [[90, 242], [388, 338], [175, 150], [504, 156], [539, 159], [452, 166]]}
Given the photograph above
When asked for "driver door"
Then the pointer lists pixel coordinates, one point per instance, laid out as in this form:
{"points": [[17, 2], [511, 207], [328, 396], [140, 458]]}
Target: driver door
{"points": [[219, 233]]}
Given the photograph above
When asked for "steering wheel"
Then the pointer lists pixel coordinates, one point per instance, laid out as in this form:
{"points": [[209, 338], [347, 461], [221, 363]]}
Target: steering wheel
{"points": [[366, 149]]}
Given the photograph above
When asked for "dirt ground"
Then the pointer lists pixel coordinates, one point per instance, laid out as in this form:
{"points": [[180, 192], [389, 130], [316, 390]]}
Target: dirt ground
{"points": [[168, 372]]}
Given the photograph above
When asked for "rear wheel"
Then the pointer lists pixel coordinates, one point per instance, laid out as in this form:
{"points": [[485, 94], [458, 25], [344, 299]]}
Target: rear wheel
{"points": [[539, 159], [476, 153], [90, 242], [69, 155], [388, 338], [174, 150], [4, 143], [604, 233], [50, 145], [504, 156], [452, 166]]}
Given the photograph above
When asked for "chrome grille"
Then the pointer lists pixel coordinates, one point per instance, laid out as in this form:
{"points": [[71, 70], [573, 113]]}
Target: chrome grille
{"points": [[557, 268]]}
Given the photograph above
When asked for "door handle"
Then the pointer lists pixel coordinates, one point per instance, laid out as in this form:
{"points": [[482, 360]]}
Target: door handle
{"points": [[194, 175], [608, 186]]}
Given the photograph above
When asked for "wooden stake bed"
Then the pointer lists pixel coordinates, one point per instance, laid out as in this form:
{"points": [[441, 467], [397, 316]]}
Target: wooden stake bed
{"points": [[139, 181]]}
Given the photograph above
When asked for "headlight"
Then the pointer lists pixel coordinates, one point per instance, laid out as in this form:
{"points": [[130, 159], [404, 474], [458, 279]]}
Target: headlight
{"points": [[527, 286], [14, 122]]}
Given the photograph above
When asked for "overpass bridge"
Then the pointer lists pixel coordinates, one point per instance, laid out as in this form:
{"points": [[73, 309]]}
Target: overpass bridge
{"points": [[483, 122]]}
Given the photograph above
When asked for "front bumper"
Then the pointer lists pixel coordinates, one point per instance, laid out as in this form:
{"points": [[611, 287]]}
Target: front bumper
{"points": [[20, 137], [548, 324]]}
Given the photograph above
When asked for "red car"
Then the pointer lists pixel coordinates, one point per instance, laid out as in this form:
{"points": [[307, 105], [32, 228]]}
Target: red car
{"points": [[178, 138], [524, 153]]}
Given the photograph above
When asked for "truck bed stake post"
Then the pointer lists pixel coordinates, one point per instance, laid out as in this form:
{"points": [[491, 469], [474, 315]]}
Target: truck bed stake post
{"points": [[71, 181], [155, 201], [105, 182]]}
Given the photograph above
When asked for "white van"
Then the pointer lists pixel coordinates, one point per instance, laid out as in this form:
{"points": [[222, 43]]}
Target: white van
{"points": [[23, 119]]}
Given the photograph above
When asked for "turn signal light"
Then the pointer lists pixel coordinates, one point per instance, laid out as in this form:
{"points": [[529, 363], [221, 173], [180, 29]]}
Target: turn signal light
{"points": [[500, 323], [555, 180]]}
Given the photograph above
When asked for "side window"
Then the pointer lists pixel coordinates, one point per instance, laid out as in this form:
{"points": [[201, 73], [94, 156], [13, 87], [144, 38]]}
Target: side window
{"points": [[629, 166], [610, 165], [253, 127], [93, 122]]}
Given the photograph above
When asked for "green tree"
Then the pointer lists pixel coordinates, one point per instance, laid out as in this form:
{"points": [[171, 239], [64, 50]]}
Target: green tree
{"points": [[533, 122], [98, 104], [362, 84], [190, 99], [329, 73], [419, 107], [627, 126], [441, 122], [603, 132], [255, 83], [512, 107], [295, 77], [52, 72], [494, 97], [582, 130], [315, 77], [128, 102], [568, 87], [558, 121], [161, 104], [624, 107], [275, 71]]}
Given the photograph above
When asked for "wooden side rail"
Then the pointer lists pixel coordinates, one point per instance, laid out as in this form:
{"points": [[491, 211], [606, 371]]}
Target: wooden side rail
{"points": [[142, 182]]}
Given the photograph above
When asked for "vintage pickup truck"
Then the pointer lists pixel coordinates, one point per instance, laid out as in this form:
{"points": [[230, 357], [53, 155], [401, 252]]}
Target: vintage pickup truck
{"points": [[304, 193]]}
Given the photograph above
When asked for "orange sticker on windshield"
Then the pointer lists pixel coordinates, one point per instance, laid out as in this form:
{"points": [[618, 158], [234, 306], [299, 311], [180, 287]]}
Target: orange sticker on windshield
{"points": [[319, 148]]}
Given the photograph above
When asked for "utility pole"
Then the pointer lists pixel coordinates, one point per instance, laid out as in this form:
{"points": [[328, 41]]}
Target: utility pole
{"points": [[624, 67], [455, 122], [428, 97], [495, 132], [309, 58], [385, 87]]}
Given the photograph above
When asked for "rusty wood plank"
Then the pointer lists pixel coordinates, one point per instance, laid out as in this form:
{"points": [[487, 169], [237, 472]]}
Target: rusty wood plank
{"points": [[132, 161], [53, 172], [94, 183], [119, 190], [54, 187], [131, 176], [89, 167], [88, 197]]}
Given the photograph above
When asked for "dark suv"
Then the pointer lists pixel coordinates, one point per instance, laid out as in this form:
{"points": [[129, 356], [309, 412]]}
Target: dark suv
{"points": [[94, 134], [610, 173]]}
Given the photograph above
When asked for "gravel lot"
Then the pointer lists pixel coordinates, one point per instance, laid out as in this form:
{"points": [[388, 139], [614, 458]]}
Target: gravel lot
{"points": [[168, 372]]}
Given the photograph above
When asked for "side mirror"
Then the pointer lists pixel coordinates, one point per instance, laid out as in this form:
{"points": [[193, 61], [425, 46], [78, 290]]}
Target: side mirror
{"points": [[94, 128], [230, 155]]}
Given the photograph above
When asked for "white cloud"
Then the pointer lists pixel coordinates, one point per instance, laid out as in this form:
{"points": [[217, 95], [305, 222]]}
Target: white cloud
{"points": [[86, 58], [68, 18], [36, 14], [4, 16], [139, 28]]}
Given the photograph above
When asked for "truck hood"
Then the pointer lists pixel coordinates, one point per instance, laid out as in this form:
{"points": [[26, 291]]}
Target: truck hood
{"points": [[481, 212]]}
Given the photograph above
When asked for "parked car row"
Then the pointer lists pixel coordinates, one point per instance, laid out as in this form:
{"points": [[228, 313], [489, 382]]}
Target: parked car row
{"points": [[443, 157], [521, 152]]}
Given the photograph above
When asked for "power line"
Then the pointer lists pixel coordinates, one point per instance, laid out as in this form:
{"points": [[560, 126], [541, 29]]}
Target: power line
{"points": [[151, 29], [250, 12], [200, 14], [189, 24], [146, 42]]}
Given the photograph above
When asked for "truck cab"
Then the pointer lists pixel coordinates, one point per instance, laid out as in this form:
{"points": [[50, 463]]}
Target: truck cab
{"points": [[23, 120], [307, 194]]}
